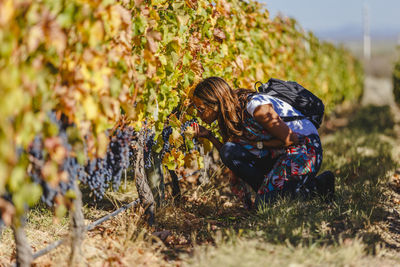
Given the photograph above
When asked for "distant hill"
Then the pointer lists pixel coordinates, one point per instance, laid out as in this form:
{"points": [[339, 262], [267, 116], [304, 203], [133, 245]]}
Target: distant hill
{"points": [[355, 33]]}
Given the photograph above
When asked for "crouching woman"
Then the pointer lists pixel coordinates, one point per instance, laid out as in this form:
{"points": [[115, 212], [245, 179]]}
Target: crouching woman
{"points": [[272, 156]]}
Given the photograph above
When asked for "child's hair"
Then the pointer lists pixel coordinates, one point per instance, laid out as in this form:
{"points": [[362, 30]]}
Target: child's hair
{"points": [[231, 104]]}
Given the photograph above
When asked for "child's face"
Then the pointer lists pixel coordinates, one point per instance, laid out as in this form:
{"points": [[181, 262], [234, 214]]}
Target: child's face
{"points": [[206, 113]]}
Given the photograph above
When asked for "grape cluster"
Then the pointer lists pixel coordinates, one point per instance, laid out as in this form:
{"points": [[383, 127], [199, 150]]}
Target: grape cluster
{"points": [[188, 123], [75, 172], [37, 161], [35, 172], [100, 173], [149, 142], [166, 132], [119, 154], [70, 164], [183, 129], [97, 176]]}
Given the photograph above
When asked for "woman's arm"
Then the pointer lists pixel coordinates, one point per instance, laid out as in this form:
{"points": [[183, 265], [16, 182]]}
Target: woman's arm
{"points": [[270, 120]]}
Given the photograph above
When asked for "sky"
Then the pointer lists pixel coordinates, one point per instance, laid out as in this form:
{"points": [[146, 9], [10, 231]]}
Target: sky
{"points": [[332, 15]]}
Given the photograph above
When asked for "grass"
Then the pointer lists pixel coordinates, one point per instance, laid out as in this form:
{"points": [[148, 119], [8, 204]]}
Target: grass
{"points": [[209, 227], [245, 252]]}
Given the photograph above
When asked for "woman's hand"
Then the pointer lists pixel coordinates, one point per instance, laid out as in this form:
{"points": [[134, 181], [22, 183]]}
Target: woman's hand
{"points": [[201, 131]]}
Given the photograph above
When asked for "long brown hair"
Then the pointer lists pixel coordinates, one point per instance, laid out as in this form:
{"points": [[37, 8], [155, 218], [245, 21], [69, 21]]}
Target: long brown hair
{"points": [[230, 104]]}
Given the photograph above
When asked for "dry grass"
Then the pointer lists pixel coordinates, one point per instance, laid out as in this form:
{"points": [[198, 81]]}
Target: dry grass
{"points": [[122, 241]]}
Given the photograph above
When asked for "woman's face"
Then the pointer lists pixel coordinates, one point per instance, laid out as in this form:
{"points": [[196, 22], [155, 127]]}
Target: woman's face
{"points": [[206, 113]]}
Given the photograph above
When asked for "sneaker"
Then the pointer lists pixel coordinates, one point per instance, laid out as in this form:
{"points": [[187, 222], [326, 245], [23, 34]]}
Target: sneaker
{"points": [[325, 183]]}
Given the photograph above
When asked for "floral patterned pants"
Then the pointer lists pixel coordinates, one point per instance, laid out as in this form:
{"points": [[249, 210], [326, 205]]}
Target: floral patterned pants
{"points": [[293, 169]]}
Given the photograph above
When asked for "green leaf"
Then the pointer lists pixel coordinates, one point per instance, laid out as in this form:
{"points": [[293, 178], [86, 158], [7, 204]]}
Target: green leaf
{"points": [[139, 25], [33, 193], [163, 59], [17, 178], [66, 18], [70, 194], [60, 211], [171, 165], [115, 86], [187, 58]]}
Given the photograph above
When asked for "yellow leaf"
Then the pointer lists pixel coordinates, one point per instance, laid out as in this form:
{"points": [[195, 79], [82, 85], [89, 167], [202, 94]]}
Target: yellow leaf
{"points": [[32, 192], [6, 11], [50, 173], [207, 145], [169, 161], [90, 107], [189, 132], [115, 19], [60, 210], [70, 194], [174, 121], [179, 157], [102, 143], [224, 49], [183, 19], [200, 162], [158, 2], [191, 160], [17, 178], [59, 154], [34, 37], [101, 124], [176, 138], [4, 169]]}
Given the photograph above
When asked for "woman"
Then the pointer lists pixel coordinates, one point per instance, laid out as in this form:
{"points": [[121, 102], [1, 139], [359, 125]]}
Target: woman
{"points": [[273, 157]]}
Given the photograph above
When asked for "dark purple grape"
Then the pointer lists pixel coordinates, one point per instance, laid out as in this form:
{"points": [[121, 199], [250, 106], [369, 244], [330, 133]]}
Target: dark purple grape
{"points": [[149, 142], [99, 174]]}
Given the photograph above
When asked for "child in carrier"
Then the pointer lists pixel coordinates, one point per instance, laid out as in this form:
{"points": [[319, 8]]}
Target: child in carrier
{"points": [[273, 156]]}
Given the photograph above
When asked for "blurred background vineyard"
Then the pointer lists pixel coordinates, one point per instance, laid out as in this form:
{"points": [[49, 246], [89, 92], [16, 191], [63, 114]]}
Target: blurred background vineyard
{"points": [[396, 82]]}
